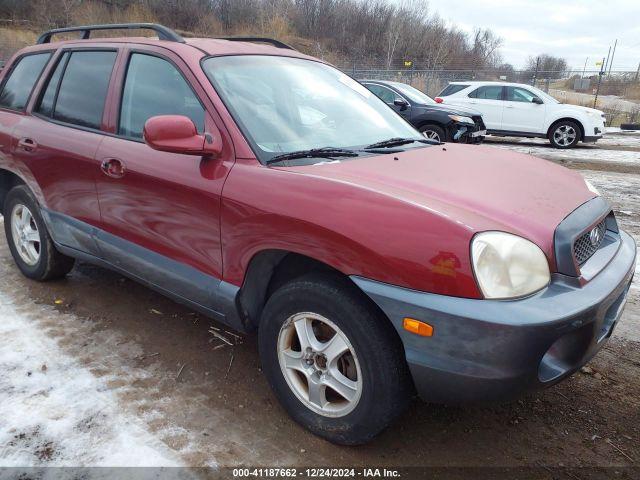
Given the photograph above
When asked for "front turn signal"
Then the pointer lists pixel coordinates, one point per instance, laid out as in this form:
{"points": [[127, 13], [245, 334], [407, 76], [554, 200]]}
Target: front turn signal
{"points": [[416, 326]]}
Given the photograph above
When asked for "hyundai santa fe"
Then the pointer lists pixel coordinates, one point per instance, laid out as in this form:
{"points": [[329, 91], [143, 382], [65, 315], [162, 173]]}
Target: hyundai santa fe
{"points": [[271, 192]]}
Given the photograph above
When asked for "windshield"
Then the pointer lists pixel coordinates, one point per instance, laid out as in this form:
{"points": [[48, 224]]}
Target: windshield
{"points": [[414, 94], [286, 105]]}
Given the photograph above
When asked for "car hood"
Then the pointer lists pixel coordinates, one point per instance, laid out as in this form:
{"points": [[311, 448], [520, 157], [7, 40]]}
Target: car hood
{"points": [[450, 109], [478, 187]]}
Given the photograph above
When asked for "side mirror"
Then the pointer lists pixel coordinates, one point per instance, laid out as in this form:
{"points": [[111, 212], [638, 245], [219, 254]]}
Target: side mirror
{"points": [[399, 102], [537, 100], [178, 134]]}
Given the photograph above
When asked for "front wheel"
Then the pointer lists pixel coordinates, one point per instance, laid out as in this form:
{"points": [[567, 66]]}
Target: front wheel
{"points": [[433, 132], [564, 134], [336, 365]]}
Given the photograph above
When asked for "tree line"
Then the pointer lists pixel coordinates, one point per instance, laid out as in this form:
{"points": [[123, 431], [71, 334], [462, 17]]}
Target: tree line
{"points": [[374, 32]]}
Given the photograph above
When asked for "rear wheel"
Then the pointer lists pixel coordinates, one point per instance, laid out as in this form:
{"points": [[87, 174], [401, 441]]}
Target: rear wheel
{"points": [[433, 132], [336, 365], [29, 242], [564, 134]]}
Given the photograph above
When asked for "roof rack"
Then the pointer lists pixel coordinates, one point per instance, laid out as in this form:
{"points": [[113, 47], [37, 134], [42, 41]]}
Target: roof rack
{"points": [[271, 41], [163, 32]]}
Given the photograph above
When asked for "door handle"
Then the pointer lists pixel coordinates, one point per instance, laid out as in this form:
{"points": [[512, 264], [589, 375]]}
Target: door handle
{"points": [[113, 167], [27, 144], [509, 106]]}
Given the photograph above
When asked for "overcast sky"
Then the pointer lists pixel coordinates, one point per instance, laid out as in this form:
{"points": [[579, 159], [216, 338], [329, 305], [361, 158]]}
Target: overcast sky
{"points": [[567, 28]]}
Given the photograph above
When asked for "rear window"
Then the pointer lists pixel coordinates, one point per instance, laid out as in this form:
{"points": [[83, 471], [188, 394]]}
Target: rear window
{"points": [[21, 80], [77, 89], [451, 89]]}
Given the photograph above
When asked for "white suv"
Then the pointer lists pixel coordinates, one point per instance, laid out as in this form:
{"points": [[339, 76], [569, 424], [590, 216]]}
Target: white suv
{"points": [[516, 109]]}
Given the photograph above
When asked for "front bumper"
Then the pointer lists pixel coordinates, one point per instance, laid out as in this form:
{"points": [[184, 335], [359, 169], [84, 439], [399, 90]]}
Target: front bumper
{"points": [[494, 349], [594, 131]]}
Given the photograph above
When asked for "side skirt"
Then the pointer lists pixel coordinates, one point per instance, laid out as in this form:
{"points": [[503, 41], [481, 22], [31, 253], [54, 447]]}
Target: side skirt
{"points": [[184, 284], [509, 133]]}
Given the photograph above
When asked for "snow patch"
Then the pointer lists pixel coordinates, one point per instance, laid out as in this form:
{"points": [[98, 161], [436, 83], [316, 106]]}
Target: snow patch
{"points": [[54, 412]]}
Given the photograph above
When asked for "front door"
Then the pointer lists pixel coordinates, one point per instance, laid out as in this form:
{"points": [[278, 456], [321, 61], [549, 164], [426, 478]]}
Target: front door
{"points": [[524, 111], [403, 108], [161, 211]]}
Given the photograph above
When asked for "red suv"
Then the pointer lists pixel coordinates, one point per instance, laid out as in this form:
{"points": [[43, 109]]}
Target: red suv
{"points": [[272, 192]]}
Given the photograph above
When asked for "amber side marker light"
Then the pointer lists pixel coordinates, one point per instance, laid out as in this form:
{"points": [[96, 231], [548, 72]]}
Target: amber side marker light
{"points": [[416, 326]]}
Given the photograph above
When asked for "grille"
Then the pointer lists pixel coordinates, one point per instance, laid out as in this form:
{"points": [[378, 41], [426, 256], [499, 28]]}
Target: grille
{"points": [[584, 248]]}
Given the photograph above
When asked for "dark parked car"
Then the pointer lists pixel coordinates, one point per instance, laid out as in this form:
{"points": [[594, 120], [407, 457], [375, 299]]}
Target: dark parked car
{"points": [[444, 123]]}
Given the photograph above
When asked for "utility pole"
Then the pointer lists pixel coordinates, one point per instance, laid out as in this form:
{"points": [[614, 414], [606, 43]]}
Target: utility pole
{"points": [[535, 74], [600, 74], [613, 55], [638, 72], [606, 63], [585, 66]]}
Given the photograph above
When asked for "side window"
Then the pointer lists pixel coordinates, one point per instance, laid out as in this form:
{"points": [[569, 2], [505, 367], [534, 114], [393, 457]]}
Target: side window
{"points": [[155, 87], [21, 80], [451, 89], [492, 92], [516, 94], [83, 89], [383, 93]]}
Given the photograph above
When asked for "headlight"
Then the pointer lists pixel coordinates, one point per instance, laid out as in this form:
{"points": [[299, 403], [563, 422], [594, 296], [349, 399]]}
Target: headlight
{"points": [[591, 188], [461, 119], [508, 266]]}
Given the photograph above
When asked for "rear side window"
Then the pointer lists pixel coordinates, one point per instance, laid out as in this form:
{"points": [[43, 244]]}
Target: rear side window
{"points": [[77, 90], [491, 92], [154, 86], [21, 80], [451, 89], [49, 95]]}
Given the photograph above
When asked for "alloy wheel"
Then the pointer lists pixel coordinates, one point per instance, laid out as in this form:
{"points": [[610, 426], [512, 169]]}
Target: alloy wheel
{"points": [[565, 135], [319, 364], [26, 236], [431, 135]]}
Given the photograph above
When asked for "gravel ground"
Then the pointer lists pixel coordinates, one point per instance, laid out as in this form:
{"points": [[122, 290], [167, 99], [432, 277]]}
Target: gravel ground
{"points": [[98, 370]]}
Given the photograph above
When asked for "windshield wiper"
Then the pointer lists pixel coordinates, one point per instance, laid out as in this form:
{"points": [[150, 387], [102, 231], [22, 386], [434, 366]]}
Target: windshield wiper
{"points": [[325, 152], [397, 141]]}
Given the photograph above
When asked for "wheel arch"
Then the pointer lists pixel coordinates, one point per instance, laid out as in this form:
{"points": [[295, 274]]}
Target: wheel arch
{"points": [[269, 269], [431, 121], [565, 119], [8, 180]]}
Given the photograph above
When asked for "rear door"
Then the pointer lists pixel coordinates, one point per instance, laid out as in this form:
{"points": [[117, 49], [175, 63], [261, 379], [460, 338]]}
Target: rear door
{"points": [[489, 100], [161, 211], [15, 90], [521, 112], [59, 140]]}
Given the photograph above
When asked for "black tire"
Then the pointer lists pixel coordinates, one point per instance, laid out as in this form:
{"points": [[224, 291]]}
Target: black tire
{"points": [[556, 130], [434, 130], [386, 385], [51, 264]]}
